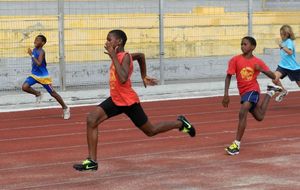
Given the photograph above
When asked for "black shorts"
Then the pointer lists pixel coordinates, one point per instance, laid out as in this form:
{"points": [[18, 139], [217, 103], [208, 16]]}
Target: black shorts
{"points": [[135, 112], [294, 75]]}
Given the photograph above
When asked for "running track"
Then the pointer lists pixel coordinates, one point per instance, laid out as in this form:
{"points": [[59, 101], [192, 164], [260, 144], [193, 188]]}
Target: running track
{"points": [[38, 149]]}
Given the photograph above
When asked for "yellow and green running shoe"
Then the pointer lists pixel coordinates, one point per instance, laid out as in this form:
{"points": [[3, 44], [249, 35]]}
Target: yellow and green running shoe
{"points": [[233, 149], [186, 127], [87, 164]]}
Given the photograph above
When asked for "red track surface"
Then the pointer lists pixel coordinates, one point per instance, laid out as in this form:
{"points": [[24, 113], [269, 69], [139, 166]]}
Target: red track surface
{"points": [[38, 149]]}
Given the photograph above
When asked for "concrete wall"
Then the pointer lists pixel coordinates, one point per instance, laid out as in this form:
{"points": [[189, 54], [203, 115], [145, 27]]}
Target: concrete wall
{"points": [[198, 44], [209, 68]]}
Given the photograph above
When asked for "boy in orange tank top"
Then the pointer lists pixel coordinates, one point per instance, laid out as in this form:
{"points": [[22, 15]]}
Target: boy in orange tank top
{"points": [[123, 99]]}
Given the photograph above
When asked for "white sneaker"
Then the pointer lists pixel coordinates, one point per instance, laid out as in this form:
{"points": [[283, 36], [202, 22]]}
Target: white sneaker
{"points": [[39, 98], [272, 89], [67, 113], [281, 95]]}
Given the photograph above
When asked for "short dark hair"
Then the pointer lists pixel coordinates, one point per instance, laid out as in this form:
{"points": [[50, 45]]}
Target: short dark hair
{"points": [[44, 39], [120, 34], [251, 40]]}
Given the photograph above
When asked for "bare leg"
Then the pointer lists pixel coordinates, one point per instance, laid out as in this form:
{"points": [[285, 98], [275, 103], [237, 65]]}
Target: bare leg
{"points": [[58, 98], [298, 83], [151, 130], [242, 120], [260, 110], [93, 120], [28, 89]]}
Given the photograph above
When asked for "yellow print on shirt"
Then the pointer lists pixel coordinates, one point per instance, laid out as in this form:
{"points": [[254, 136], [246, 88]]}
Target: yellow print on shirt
{"points": [[247, 73], [113, 76], [112, 79]]}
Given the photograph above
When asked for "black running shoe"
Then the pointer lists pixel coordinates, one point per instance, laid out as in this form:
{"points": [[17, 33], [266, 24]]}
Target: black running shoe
{"points": [[186, 127], [233, 149], [87, 164]]}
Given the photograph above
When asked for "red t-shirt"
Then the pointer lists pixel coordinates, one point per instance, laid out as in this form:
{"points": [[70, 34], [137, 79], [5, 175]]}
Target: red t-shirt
{"points": [[245, 72], [122, 94]]}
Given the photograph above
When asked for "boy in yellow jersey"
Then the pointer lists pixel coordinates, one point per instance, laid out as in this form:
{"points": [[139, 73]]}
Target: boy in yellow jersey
{"points": [[40, 75]]}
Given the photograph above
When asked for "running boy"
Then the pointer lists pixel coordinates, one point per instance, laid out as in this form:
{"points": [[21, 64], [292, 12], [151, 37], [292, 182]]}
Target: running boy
{"points": [[123, 99], [247, 67], [288, 65], [39, 74]]}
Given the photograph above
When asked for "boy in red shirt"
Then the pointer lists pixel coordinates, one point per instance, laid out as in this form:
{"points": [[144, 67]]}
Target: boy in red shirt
{"points": [[247, 67], [123, 99]]}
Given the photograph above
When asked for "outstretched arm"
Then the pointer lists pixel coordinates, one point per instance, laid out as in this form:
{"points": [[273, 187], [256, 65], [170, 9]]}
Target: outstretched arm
{"points": [[226, 99], [268, 73], [140, 58]]}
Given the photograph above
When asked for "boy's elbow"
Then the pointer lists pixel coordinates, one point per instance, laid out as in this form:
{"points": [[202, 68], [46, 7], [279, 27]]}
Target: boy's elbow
{"points": [[123, 80], [138, 56], [141, 57]]}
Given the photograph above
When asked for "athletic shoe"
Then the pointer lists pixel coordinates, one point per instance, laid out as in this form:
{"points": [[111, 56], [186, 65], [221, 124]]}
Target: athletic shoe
{"points": [[67, 113], [233, 149], [272, 89], [39, 98], [86, 165], [281, 95], [186, 127]]}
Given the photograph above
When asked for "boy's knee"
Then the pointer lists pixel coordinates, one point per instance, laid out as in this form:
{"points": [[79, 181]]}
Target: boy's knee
{"points": [[150, 132], [93, 120], [25, 87], [90, 119], [53, 94], [243, 112], [259, 118]]}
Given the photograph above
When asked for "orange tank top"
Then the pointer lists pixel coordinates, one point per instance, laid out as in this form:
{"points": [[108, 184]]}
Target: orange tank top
{"points": [[122, 94]]}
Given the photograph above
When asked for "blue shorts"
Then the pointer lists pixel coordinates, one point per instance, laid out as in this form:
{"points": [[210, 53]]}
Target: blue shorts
{"points": [[294, 75], [31, 81], [252, 97]]}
